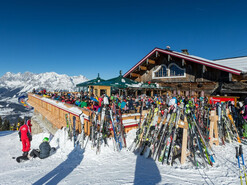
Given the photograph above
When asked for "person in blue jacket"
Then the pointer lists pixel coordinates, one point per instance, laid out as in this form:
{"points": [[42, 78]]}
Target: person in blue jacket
{"points": [[44, 150]]}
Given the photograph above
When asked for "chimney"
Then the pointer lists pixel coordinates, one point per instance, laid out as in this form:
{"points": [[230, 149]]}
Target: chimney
{"points": [[185, 51]]}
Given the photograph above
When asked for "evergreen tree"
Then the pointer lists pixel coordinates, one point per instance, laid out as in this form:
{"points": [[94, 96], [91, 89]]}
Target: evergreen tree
{"points": [[1, 126], [6, 125], [15, 126], [21, 121]]}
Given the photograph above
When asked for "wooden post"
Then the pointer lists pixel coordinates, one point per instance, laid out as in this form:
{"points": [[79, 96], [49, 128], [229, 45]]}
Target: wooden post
{"points": [[213, 132], [184, 142], [211, 129], [216, 136], [88, 128]]}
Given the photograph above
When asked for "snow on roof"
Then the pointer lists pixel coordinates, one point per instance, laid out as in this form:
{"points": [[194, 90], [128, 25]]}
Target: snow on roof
{"points": [[239, 63]]}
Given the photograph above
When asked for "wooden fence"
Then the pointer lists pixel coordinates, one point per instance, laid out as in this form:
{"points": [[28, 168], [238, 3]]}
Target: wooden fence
{"points": [[54, 111]]}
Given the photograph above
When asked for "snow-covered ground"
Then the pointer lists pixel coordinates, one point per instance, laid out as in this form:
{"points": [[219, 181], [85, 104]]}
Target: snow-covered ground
{"points": [[77, 166]]}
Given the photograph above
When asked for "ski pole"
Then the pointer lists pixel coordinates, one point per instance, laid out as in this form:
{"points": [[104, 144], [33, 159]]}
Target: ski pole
{"points": [[242, 156], [240, 175]]}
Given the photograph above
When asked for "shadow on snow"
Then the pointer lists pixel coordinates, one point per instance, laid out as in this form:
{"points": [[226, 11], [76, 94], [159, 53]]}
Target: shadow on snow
{"points": [[64, 169], [5, 133], [146, 171]]}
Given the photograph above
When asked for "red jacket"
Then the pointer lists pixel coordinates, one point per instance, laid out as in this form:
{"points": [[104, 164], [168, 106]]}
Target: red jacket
{"points": [[24, 133]]}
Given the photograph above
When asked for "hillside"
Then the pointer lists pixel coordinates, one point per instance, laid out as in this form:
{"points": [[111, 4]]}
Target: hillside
{"points": [[13, 85]]}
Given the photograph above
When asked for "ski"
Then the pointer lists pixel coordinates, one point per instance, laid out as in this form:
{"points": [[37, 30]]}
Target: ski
{"points": [[240, 172], [74, 131], [159, 148], [169, 161], [114, 133], [81, 141], [122, 127], [99, 134], [242, 157]]}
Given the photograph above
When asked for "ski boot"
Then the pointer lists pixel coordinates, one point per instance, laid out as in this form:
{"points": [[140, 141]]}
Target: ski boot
{"points": [[25, 154]]}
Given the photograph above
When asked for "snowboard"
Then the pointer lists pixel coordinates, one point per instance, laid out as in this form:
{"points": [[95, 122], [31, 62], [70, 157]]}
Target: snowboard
{"points": [[21, 159]]}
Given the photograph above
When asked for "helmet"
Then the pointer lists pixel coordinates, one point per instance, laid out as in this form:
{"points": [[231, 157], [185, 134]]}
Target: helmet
{"points": [[29, 123], [46, 139]]}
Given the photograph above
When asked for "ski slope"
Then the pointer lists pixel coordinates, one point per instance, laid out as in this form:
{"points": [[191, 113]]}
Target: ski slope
{"points": [[77, 166]]}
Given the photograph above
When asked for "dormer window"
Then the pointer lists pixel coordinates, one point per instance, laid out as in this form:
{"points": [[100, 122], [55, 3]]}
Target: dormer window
{"points": [[172, 71], [176, 71], [162, 72]]}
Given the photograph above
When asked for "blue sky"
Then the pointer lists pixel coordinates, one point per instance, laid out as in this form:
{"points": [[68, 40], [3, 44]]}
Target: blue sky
{"points": [[104, 36]]}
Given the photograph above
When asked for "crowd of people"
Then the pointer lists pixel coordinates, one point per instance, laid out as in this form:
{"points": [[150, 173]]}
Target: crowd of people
{"points": [[132, 103], [126, 103]]}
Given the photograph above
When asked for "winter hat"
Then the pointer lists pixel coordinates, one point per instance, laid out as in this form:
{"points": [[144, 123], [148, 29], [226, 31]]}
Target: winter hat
{"points": [[46, 139]]}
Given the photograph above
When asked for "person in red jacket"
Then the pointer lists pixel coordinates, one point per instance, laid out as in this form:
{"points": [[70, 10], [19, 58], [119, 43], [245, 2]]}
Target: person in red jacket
{"points": [[25, 137], [29, 125]]}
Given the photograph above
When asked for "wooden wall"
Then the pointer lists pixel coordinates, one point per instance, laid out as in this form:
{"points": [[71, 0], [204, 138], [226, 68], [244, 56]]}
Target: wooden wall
{"points": [[194, 71], [198, 78], [55, 114]]}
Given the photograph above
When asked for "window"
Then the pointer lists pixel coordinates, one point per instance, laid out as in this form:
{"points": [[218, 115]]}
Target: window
{"points": [[162, 72], [175, 70], [172, 71], [103, 91]]}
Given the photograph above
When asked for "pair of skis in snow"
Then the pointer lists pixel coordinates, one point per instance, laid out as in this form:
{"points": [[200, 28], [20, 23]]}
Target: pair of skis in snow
{"points": [[119, 140], [71, 128], [242, 170]]}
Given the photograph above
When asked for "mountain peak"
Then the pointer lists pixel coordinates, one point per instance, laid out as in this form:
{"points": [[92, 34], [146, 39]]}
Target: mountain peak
{"points": [[49, 80]]}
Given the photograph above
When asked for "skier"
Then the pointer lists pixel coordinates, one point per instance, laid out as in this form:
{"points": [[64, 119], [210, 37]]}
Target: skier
{"points": [[105, 100], [44, 150], [18, 126], [25, 138], [245, 109]]}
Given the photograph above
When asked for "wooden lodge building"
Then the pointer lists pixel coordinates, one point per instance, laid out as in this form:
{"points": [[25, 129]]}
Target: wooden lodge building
{"points": [[185, 74]]}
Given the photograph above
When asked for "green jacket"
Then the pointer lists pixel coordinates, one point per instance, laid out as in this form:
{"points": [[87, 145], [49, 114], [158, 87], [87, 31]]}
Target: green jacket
{"points": [[83, 104]]}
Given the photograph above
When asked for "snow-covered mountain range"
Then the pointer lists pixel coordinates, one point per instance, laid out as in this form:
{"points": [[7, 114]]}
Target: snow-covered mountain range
{"points": [[13, 85], [50, 81]]}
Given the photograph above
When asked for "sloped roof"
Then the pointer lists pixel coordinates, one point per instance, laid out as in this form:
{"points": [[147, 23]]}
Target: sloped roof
{"points": [[199, 60], [239, 63], [90, 82], [118, 82]]}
